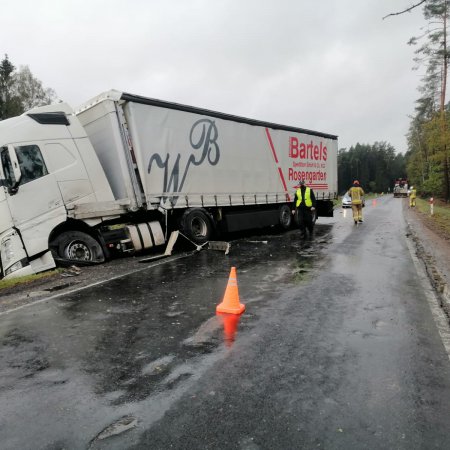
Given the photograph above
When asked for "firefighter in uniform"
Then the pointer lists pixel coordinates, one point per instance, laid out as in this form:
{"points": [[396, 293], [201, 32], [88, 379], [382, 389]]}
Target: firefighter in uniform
{"points": [[357, 194], [412, 197], [305, 206]]}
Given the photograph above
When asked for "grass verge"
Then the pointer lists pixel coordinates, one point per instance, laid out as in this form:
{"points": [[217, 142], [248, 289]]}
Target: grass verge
{"points": [[27, 279], [441, 216]]}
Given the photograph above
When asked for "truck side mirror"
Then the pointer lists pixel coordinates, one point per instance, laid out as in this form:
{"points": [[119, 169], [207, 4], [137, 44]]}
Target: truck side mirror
{"points": [[11, 169], [15, 167], [13, 189]]}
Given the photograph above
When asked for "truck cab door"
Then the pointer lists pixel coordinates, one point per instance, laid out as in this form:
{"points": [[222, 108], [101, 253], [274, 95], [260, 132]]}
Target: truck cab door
{"points": [[32, 194]]}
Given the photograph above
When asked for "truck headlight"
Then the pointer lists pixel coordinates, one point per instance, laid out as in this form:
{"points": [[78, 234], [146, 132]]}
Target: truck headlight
{"points": [[18, 265], [7, 252], [12, 254]]}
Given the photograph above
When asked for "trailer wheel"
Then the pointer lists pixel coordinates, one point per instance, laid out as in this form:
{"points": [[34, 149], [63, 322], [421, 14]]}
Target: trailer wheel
{"points": [[196, 225], [78, 246], [285, 217]]}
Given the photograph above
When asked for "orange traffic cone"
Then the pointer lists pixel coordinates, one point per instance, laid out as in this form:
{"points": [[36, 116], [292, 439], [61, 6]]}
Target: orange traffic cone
{"points": [[230, 303]]}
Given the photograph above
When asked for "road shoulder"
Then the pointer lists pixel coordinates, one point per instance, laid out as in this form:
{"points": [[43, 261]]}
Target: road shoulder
{"points": [[67, 280], [433, 250]]}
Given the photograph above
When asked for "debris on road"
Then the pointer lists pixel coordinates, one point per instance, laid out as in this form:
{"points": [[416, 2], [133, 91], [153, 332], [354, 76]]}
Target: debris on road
{"points": [[72, 271], [209, 245], [120, 426]]}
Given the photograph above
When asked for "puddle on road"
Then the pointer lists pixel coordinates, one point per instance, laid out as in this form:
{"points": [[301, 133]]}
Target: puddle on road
{"points": [[22, 354], [205, 337], [302, 270]]}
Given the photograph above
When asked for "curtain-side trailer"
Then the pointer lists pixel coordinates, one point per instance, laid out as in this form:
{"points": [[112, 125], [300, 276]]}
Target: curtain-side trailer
{"points": [[123, 171]]}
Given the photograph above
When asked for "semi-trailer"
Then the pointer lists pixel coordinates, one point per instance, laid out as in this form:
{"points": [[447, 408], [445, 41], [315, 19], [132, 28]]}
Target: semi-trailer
{"points": [[121, 172]]}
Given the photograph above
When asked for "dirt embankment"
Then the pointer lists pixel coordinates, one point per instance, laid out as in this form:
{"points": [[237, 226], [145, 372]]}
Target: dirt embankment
{"points": [[433, 248]]}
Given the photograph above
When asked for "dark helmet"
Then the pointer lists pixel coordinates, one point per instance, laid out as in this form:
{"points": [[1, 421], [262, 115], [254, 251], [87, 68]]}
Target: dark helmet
{"points": [[301, 182]]}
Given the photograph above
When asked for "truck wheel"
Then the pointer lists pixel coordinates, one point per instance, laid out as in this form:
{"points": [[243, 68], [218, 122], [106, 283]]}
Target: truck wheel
{"points": [[196, 225], [80, 247], [285, 217]]}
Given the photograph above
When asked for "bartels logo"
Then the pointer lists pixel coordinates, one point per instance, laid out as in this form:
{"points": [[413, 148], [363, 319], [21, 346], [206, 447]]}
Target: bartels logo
{"points": [[308, 162], [203, 149]]}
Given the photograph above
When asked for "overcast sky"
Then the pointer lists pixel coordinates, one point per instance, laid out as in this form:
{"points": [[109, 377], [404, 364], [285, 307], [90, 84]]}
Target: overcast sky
{"points": [[332, 65]]}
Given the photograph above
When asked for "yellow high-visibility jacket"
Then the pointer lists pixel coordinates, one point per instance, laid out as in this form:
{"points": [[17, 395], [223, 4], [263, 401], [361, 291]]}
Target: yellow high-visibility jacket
{"points": [[308, 200], [356, 193]]}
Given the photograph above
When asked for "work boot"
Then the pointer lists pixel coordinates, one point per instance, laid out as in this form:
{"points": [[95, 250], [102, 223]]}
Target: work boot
{"points": [[360, 221]]}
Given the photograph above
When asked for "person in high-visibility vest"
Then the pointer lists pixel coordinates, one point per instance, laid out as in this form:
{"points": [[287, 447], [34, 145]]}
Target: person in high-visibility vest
{"points": [[356, 193], [412, 197], [305, 208]]}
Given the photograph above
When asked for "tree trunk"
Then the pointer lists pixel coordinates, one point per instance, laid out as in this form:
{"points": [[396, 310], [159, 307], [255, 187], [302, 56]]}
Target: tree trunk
{"points": [[446, 179]]}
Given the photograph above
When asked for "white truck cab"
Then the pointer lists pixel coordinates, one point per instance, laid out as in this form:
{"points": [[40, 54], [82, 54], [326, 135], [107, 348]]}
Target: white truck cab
{"points": [[47, 164]]}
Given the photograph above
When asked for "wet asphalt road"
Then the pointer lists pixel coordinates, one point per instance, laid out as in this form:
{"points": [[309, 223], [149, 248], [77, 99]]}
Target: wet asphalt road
{"points": [[337, 349]]}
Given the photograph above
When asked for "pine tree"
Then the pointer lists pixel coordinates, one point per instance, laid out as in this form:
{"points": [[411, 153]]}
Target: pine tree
{"points": [[9, 105], [429, 131]]}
